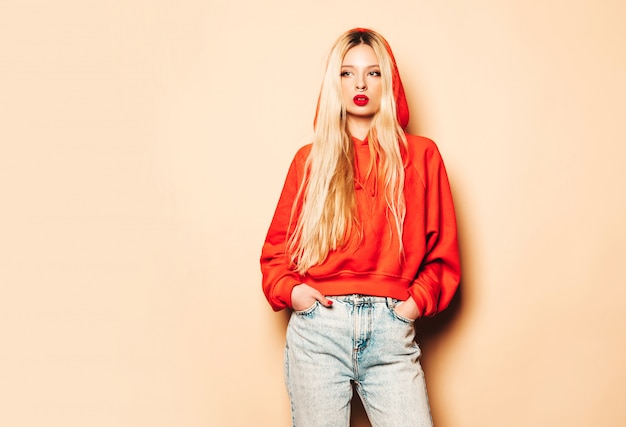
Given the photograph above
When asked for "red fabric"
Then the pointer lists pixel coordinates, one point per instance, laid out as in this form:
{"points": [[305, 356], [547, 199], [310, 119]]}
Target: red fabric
{"points": [[402, 107], [430, 270]]}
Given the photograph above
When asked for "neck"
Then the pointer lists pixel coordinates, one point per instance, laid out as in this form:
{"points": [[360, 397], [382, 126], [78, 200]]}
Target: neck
{"points": [[359, 127]]}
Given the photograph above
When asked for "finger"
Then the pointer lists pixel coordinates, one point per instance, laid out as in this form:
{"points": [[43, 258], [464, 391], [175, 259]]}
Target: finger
{"points": [[325, 301], [322, 299]]}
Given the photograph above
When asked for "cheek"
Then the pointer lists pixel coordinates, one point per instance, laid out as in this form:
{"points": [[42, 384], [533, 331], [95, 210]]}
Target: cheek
{"points": [[345, 89], [376, 87], [378, 94]]}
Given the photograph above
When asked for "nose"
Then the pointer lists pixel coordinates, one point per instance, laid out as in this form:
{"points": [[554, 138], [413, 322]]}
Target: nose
{"points": [[360, 84]]}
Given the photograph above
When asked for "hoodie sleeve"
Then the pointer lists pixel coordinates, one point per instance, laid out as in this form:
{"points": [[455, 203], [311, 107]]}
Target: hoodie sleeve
{"points": [[278, 278], [440, 272]]}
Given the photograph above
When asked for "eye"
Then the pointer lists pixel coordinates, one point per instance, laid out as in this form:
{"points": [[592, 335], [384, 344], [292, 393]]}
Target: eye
{"points": [[346, 73], [374, 73]]}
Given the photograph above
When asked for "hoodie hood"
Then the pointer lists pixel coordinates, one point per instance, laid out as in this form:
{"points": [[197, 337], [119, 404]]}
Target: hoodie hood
{"points": [[402, 107]]}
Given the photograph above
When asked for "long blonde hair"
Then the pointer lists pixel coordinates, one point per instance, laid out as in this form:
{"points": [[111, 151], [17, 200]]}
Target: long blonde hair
{"points": [[328, 216]]}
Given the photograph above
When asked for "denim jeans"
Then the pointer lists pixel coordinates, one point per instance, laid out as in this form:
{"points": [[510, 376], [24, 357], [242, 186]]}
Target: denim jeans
{"points": [[359, 341]]}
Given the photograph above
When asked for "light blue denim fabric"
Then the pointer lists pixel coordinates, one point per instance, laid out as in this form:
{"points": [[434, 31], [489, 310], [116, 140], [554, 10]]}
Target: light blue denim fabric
{"points": [[360, 340]]}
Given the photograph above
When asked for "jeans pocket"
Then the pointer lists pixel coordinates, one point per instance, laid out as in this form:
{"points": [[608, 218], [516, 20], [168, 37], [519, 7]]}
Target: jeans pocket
{"points": [[309, 310], [396, 316]]}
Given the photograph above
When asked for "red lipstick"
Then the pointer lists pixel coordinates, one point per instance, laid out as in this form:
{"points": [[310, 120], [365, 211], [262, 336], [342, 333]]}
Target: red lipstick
{"points": [[361, 100]]}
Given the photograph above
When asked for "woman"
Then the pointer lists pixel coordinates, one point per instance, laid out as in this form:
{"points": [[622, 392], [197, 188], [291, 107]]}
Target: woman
{"points": [[363, 242]]}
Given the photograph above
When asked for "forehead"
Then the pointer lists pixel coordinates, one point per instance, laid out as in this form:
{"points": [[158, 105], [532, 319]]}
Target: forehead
{"points": [[361, 54]]}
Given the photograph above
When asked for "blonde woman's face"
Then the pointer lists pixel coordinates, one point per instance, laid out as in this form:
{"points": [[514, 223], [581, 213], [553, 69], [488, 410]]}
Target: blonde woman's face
{"points": [[361, 83]]}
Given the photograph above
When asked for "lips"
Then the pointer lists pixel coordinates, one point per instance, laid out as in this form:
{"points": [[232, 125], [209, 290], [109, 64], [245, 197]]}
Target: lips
{"points": [[361, 100]]}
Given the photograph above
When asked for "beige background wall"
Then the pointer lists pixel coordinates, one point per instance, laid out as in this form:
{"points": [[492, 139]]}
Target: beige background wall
{"points": [[143, 147]]}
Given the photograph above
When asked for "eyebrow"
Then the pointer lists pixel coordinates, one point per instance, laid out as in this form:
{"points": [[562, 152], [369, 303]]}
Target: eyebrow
{"points": [[367, 66]]}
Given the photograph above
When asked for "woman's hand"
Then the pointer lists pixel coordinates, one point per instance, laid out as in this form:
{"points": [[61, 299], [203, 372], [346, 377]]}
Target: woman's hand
{"points": [[408, 309], [304, 296]]}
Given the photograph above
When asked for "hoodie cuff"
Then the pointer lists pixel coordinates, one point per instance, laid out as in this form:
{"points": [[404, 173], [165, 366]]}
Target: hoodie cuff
{"points": [[282, 293], [421, 298]]}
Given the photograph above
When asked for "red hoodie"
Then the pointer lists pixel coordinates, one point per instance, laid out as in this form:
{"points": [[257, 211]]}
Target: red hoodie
{"points": [[429, 269]]}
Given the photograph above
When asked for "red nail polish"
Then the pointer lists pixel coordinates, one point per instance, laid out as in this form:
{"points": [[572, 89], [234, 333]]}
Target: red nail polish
{"points": [[330, 302]]}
